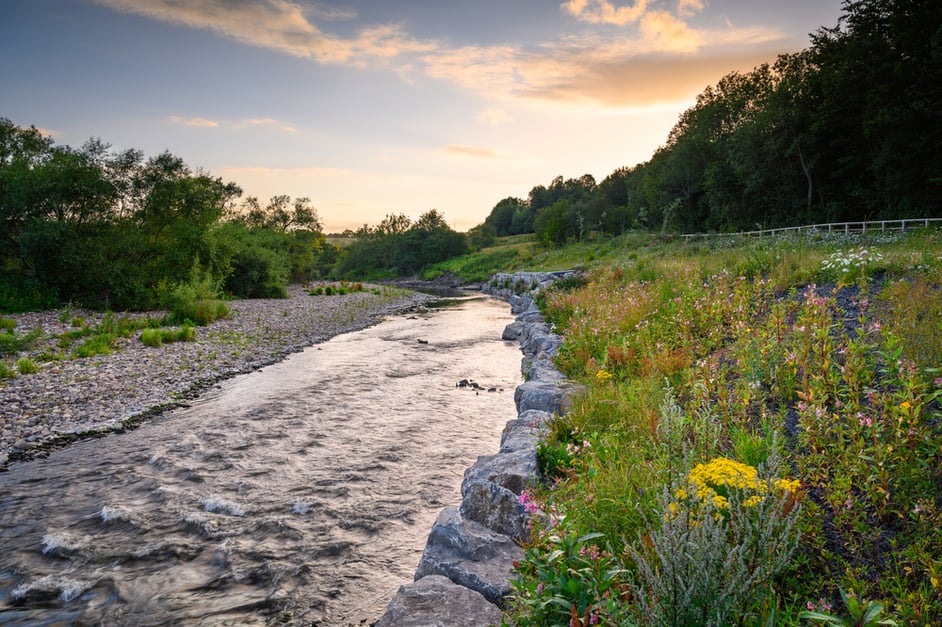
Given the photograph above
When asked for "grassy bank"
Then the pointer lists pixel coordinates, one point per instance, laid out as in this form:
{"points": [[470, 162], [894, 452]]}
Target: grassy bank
{"points": [[761, 431]]}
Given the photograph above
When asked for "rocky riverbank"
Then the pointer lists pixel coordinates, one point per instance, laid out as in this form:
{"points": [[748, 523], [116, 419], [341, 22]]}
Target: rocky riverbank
{"points": [[72, 398], [463, 577]]}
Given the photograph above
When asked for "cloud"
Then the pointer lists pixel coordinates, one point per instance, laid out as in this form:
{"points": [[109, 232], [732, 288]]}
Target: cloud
{"points": [[298, 172], [604, 12], [477, 152], [493, 117], [278, 25], [282, 126], [200, 122], [601, 69]]}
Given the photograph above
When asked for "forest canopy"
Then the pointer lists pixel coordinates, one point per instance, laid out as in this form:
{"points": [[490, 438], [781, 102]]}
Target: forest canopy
{"points": [[848, 129]]}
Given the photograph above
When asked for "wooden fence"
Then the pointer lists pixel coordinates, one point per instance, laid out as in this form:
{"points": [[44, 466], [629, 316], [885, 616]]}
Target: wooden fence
{"points": [[846, 228]]}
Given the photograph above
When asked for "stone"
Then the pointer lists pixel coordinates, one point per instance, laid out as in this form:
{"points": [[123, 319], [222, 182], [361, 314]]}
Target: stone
{"points": [[513, 470], [512, 331], [469, 554], [541, 368], [497, 508], [548, 396], [436, 601], [521, 434]]}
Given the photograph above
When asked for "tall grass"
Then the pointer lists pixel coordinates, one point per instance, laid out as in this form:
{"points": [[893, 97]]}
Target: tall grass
{"points": [[825, 351]]}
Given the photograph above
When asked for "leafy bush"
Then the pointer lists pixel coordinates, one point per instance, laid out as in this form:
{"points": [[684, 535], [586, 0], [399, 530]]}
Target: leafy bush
{"points": [[157, 337], [25, 365], [10, 343], [195, 302], [6, 372], [99, 344], [7, 324]]}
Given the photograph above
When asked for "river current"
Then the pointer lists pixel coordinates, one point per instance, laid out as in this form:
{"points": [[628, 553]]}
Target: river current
{"points": [[302, 493]]}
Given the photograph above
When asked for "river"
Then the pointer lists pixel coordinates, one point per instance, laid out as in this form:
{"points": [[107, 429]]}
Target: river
{"points": [[301, 493]]}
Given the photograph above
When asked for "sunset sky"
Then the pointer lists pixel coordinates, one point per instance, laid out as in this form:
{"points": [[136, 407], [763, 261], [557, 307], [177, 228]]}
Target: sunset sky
{"points": [[371, 107]]}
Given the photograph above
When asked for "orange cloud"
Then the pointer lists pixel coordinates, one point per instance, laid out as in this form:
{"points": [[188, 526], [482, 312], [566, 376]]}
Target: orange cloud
{"points": [[660, 48], [201, 122], [493, 117], [474, 151], [604, 12]]}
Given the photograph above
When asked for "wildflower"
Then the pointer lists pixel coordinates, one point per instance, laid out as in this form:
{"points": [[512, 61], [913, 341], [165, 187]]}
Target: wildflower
{"points": [[528, 503], [810, 606], [603, 375]]}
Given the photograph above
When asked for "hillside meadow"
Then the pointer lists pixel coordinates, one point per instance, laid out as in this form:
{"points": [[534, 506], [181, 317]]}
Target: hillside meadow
{"points": [[759, 439]]}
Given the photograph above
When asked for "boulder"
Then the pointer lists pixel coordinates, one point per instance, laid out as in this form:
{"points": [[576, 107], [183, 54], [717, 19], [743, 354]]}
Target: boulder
{"points": [[436, 601], [512, 331], [470, 555], [513, 470], [548, 396], [523, 433], [497, 508], [541, 368]]}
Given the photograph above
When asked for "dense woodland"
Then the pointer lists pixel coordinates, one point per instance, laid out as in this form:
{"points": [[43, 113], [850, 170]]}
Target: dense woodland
{"points": [[848, 129]]}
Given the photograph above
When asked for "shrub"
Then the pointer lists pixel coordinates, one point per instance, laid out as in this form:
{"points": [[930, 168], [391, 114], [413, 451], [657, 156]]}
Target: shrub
{"points": [[152, 337], [10, 343], [158, 337], [99, 344], [25, 365], [7, 324], [708, 559], [195, 302], [6, 372]]}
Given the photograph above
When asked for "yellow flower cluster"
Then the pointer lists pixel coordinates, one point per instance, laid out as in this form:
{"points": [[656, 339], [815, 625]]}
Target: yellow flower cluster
{"points": [[724, 474]]}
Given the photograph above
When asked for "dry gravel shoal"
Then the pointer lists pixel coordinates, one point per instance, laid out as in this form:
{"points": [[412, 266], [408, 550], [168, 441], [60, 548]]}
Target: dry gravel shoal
{"points": [[74, 398]]}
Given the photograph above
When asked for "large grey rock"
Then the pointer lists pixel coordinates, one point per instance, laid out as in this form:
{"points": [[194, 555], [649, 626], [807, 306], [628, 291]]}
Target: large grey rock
{"points": [[523, 432], [549, 396], [436, 601], [541, 368], [497, 508], [513, 470], [469, 554], [512, 331]]}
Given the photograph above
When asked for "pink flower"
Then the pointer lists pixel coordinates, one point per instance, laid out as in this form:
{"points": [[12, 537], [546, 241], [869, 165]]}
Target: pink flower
{"points": [[810, 606]]}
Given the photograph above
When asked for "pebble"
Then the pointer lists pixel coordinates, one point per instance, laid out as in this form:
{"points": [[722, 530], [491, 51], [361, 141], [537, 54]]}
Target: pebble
{"points": [[103, 392]]}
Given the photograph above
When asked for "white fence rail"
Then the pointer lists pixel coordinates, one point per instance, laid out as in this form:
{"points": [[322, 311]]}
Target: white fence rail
{"points": [[847, 228]]}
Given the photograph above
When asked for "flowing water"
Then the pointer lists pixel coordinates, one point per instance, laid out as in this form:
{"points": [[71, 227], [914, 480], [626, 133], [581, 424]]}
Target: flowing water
{"points": [[301, 494]]}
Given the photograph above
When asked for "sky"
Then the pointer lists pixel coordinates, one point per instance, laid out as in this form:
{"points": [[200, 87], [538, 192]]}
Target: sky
{"points": [[377, 107]]}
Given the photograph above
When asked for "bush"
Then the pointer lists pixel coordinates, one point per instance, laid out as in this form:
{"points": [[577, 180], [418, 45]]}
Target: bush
{"points": [[25, 365], [6, 372], [7, 324], [100, 344], [195, 302], [158, 337]]}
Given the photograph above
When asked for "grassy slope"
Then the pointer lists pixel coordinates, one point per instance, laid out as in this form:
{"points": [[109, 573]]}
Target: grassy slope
{"points": [[843, 380]]}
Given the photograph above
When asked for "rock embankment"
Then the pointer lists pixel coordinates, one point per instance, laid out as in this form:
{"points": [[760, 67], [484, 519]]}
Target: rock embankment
{"points": [[72, 398], [465, 571]]}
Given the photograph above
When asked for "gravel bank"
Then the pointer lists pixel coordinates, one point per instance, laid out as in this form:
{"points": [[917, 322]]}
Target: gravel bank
{"points": [[73, 398]]}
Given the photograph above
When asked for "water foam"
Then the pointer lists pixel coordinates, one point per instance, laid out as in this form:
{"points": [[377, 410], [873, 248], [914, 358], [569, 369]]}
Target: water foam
{"points": [[220, 505]]}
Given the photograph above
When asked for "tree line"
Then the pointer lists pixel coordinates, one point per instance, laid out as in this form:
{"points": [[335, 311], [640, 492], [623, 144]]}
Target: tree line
{"points": [[848, 129], [113, 229]]}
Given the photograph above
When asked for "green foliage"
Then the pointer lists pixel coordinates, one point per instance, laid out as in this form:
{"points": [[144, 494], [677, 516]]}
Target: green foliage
{"points": [[836, 132], [25, 365], [11, 343], [195, 302], [7, 325], [98, 344], [6, 372], [155, 337], [563, 578], [861, 613], [398, 247], [685, 361]]}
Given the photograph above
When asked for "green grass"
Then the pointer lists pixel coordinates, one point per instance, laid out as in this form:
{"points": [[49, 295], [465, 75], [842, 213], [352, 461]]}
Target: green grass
{"points": [[692, 352], [156, 337]]}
